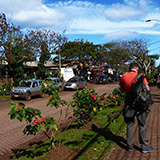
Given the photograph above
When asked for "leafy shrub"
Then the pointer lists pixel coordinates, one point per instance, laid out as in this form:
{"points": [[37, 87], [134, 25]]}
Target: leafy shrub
{"points": [[85, 105], [120, 95], [5, 89], [116, 98], [35, 122]]}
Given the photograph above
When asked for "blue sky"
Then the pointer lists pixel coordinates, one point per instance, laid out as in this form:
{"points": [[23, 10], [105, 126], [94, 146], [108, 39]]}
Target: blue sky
{"points": [[98, 21]]}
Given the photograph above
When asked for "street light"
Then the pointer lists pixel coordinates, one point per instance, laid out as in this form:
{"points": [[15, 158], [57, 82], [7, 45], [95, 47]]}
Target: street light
{"points": [[149, 20]]}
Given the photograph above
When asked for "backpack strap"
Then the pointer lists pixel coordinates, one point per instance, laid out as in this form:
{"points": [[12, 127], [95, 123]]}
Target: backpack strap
{"points": [[137, 78]]}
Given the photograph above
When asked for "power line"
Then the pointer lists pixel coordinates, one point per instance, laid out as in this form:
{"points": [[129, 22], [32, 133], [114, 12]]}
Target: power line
{"points": [[154, 49], [154, 42]]}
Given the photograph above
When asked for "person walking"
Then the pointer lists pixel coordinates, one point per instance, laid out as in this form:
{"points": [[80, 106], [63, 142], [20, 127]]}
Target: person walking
{"points": [[155, 78], [129, 113]]}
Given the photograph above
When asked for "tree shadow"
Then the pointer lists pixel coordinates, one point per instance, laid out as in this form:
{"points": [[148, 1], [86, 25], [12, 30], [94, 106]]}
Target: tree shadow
{"points": [[108, 135], [38, 151]]}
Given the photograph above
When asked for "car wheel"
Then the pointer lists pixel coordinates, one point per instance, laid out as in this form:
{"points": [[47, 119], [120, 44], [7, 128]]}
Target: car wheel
{"points": [[12, 98], [28, 96], [77, 88], [42, 94]]}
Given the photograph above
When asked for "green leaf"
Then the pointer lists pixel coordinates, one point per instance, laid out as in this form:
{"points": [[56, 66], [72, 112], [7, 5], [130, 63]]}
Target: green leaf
{"points": [[94, 109], [21, 104], [12, 107], [55, 127], [13, 103], [48, 103], [11, 112], [39, 128], [19, 117], [13, 116]]}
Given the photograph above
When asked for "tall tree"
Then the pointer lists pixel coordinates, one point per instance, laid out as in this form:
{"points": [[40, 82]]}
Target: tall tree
{"points": [[80, 50], [13, 49], [114, 54], [45, 43], [137, 50]]}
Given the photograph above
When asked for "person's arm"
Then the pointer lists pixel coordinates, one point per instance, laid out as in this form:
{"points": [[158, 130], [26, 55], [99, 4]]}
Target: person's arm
{"points": [[148, 87], [146, 83]]}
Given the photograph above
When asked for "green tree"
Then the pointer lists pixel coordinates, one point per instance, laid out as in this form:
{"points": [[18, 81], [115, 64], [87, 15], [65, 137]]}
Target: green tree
{"points": [[137, 51], [79, 50], [42, 71], [13, 48], [44, 44], [114, 54]]}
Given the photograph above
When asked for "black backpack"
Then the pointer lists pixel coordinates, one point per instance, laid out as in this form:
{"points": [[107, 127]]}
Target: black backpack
{"points": [[143, 97]]}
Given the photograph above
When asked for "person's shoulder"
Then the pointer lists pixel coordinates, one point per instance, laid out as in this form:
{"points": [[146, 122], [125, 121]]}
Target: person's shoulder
{"points": [[128, 73], [124, 74]]}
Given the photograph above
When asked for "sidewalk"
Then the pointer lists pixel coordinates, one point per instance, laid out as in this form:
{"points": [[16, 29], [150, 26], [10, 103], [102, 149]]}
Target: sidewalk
{"points": [[153, 130]]}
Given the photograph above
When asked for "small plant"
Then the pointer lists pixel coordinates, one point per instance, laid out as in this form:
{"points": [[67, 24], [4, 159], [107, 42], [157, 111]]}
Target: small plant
{"points": [[85, 105], [53, 91], [5, 89], [35, 122], [116, 98]]}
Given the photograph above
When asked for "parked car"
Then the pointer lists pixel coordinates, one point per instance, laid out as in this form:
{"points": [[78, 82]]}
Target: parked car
{"points": [[75, 83], [102, 79], [57, 81], [27, 89], [114, 78]]}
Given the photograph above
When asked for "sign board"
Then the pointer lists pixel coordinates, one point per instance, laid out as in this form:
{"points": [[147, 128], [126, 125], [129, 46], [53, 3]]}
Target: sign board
{"points": [[67, 73]]}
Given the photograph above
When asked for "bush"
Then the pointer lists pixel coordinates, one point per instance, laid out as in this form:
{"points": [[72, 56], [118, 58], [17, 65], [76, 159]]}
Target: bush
{"points": [[116, 98], [5, 89], [85, 105]]}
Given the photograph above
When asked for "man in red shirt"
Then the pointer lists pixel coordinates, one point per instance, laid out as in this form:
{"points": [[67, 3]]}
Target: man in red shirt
{"points": [[129, 112]]}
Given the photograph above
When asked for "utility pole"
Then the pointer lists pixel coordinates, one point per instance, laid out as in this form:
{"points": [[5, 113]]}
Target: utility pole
{"points": [[59, 56]]}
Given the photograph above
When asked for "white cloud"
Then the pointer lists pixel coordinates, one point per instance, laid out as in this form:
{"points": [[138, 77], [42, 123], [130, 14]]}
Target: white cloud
{"points": [[120, 12], [33, 13], [134, 9], [83, 17], [120, 35], [154, 15]]}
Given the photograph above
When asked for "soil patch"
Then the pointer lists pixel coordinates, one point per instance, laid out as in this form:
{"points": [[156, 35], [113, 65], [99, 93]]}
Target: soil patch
{"points": [[61, 153]]}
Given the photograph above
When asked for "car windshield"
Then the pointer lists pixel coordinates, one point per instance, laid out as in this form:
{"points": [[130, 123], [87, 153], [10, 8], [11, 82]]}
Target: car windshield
{"points": [[73, 80], [101, 76], [25, 84], [47, 79]]}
